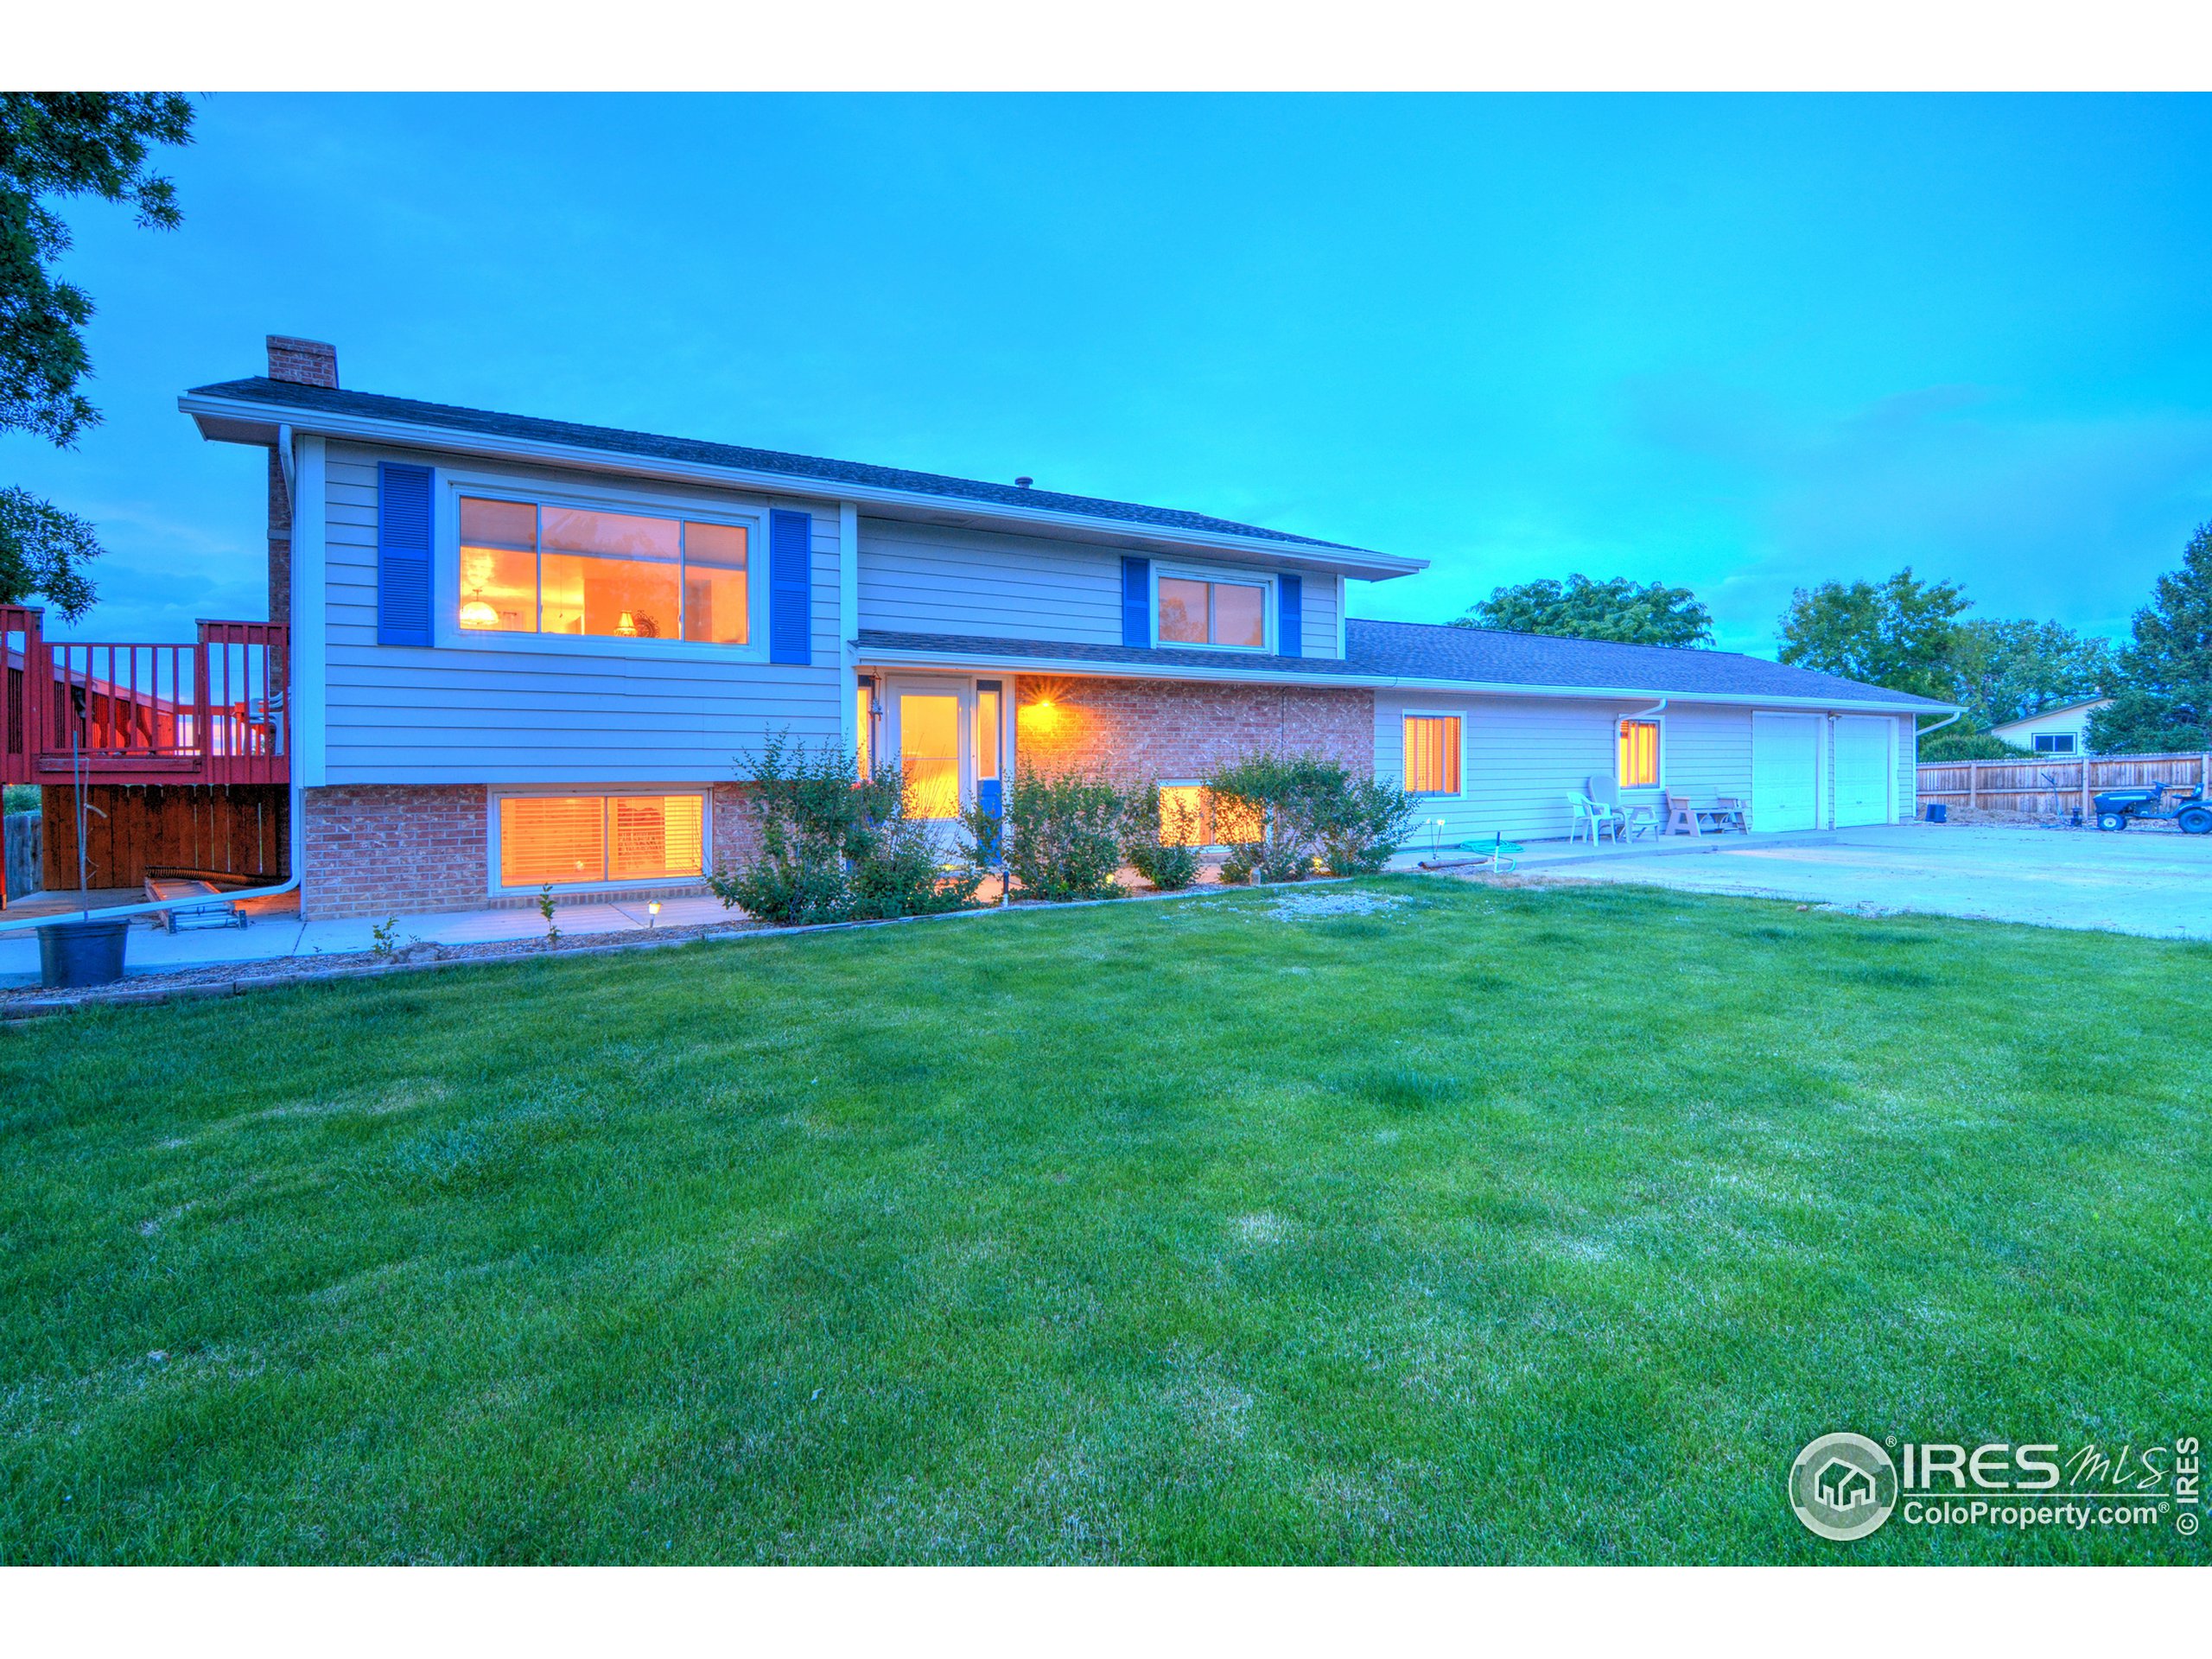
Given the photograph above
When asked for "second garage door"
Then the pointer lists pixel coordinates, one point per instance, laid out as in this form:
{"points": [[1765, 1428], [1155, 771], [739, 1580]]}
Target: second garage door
{"points": [[1862, 770], [1785, 772]]}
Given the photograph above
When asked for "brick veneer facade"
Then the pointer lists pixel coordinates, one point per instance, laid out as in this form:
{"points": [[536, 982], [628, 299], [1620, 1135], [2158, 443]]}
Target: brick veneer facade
{"points": [[304, 363], [1142, 730], [381, 850], [384, 849]]}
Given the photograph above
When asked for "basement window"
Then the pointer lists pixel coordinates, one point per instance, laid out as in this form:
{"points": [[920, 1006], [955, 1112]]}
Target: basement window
{"points": [[579, 840], [1190, 815]]}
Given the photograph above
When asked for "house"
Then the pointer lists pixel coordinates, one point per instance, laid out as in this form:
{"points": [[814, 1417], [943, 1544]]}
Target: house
{"points": [[521, 651], [2055, 731]]}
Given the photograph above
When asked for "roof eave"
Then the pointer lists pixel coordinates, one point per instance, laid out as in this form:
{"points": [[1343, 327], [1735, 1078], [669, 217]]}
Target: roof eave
{"points": [[233, 420], [891, 658]]}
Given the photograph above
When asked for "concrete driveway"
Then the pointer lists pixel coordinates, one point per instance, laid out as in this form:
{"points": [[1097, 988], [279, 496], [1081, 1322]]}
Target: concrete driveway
{"points": [[2148, 882]]}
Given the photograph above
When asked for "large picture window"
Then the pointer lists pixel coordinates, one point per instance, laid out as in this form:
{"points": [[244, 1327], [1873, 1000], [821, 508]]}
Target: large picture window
{"points": [[1639, 755], [569, 839], [527, 567], [1432, 754], [1195, 613]]}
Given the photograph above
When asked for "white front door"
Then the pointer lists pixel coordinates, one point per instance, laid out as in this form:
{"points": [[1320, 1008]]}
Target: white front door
{"points": [[926, 724], [1785, 772], [1863, 771]]}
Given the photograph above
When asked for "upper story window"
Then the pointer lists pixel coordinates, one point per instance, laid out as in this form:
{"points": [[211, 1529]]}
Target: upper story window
{"points": [[1639, 754], [1198, 613], [532, 568]]}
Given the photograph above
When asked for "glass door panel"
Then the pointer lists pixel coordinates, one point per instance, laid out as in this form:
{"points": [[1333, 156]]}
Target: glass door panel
{"points": [[929, 748]]}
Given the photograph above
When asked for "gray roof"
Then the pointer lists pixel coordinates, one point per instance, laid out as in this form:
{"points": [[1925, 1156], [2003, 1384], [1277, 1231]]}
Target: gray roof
{"points": [[485, 423], [1424, 651]]}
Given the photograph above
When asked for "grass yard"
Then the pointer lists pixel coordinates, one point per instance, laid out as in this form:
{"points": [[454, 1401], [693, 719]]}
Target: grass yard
{"points": [[1500, 1226]]}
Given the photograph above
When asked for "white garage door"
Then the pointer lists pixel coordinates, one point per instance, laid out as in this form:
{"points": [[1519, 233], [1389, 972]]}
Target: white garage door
{"points": [[1862, 770], [1785, 772]]}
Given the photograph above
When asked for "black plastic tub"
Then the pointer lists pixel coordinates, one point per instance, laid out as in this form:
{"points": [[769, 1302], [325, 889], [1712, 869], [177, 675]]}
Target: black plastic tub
{"points": [[71, 954]]}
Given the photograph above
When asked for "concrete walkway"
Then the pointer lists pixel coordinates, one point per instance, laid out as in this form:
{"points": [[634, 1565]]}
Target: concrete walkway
{"points": [[271, 935], [2158, 883]]}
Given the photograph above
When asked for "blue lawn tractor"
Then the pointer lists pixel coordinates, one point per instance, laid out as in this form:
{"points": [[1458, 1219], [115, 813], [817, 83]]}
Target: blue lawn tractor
{"points": [[2118, 808]]}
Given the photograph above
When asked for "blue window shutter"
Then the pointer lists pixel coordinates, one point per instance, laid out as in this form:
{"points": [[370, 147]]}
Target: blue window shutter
{"points": [[403, 555], [1290, 622], [1136, 602], [791, 587]]}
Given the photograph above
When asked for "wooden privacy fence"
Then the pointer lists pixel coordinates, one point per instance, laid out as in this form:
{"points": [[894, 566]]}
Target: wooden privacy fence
{"points": [[2051, 785]]}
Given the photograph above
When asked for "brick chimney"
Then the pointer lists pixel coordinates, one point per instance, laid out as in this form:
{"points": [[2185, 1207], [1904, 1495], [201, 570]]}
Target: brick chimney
{"points": [[301, 363]]}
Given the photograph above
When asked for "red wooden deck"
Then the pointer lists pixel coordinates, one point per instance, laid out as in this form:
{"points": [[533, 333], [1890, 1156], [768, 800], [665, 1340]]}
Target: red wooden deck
{"points": [[212, 712]]}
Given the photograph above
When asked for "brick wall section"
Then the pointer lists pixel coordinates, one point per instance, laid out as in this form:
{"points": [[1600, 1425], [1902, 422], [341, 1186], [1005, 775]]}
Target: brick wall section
{"points": [[382, 850], [302, 363], [386, 850], [736, 838], [1138, 730], [280, 544]]}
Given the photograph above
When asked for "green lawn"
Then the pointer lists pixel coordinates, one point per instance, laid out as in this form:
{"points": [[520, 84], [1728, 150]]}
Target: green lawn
{"points": [[1507, 1225]]}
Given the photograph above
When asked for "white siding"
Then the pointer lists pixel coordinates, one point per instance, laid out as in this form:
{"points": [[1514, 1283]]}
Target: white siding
{"points": [[931, 579], [1318, 597], [920, 578], [1523, 756], [485, 715]]}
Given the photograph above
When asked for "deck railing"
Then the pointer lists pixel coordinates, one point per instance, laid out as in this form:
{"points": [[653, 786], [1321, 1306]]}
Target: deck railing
{"points": [[212, 712]]}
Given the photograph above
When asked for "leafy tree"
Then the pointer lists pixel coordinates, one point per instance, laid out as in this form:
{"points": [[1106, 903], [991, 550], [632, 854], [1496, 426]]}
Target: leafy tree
{"points": [[2163, 698], [1582, 609], [2008, 671], [1901, 632], [53, 146]]}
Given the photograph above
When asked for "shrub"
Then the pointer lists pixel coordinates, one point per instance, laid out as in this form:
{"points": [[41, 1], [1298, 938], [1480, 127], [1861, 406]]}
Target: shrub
{"points": [[1156, 840], [1310, 811], [837, 849], [1359, 823], [1064, 837], [1973, 746]]}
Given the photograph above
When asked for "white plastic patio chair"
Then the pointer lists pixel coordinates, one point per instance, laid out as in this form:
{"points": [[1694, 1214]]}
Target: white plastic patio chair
{"points": [[1593, 818]]}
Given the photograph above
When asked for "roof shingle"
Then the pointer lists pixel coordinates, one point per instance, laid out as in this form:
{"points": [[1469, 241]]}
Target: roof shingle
{"points": [[614, 440], [1423, 651]]}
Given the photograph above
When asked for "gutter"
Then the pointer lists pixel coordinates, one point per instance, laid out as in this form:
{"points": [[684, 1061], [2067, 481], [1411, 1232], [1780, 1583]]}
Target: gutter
{"points": [[1363, 562]]}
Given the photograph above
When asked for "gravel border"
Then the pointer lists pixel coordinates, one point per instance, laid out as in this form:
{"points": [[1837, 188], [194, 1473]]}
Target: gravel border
{"points": [[21, 1006]]}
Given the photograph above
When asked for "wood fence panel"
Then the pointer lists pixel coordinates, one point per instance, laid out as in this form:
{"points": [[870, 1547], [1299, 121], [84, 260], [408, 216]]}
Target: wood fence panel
{"points": [[2054, 785], [235, 828]]}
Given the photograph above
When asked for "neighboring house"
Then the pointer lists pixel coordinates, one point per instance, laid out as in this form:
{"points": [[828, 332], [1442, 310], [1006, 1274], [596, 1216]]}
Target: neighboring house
{"points": [[2055, 731], [525, 651]]}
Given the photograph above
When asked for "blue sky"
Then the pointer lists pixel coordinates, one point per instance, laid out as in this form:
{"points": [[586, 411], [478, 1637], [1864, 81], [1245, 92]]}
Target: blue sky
{"points": [[1741, 344]]}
